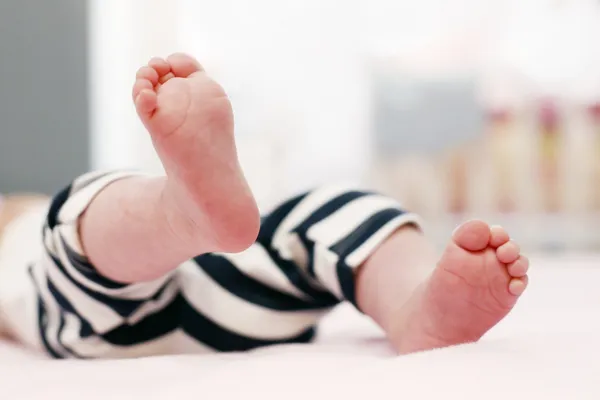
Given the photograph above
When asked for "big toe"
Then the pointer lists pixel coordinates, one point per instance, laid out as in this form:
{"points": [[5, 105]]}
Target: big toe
{"points": [[472, 235], [183, 65]]}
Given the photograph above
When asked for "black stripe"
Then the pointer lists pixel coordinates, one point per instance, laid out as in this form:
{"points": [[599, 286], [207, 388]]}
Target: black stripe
{"points": [[57, 203], [220, 339], [270, 223], [347, 283], [327, 209], [65, 305], [43, 327], [290, 270], [365, 230], [82, 264], [61, 327], [354, 240], [123, 307], [297, 278], [320, 214], [152, 327], [222, 271], [43, 323], [181, 314]]}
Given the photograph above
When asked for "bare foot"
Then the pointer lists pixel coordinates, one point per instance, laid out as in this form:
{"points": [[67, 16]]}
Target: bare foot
{"points": [[476, 283], [190, 120]]}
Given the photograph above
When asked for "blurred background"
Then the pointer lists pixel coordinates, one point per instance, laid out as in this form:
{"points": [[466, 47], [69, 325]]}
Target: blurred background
{"points": [[458, 108]]}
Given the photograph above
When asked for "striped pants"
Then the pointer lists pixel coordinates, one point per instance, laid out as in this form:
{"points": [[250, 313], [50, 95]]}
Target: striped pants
{"points": [[301, 266]]}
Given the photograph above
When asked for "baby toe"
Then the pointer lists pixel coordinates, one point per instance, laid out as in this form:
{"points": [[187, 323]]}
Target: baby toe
{"points": [[499, 236], [509, 252], [160, 65], [517, 286], [147, 73], [139, 85], [145, 103], [183, 65], [518, 268], [472, 235], [165, 78]]}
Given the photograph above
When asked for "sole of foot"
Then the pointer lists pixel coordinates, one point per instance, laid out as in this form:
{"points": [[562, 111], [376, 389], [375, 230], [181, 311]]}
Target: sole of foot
{"points": [[477, 282], [190, 121]]}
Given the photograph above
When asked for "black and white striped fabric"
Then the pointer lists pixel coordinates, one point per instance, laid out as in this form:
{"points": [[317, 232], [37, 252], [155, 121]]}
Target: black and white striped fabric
{"points": [[274, 292]]}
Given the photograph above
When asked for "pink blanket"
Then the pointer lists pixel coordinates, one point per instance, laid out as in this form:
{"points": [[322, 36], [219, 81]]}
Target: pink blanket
{"points": [[549, 348]]}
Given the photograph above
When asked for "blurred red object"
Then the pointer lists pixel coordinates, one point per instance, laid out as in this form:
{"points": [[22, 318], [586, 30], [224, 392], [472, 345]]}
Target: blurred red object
{"points": [[595, 111], [548, 116]]}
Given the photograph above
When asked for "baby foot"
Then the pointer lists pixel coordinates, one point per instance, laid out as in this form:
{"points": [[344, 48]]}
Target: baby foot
{"points": [[190, 121], [476, 283]]}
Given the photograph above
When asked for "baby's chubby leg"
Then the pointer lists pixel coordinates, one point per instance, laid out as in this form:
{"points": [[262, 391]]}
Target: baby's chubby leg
{"points": [[139, 228]]}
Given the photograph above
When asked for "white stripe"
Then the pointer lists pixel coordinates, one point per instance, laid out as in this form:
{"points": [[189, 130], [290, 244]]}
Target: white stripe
{"points": [[325, 262], [297, 251], [153, 306], [136, 291], [345, 220], [94, 346], [100, 316], [358, 256], [141, 290], [69, 336], [84, 179], [237, 315], [49, 244], [78, 202], [299, 256], [256, 263], [302, 211], [176, 342]]}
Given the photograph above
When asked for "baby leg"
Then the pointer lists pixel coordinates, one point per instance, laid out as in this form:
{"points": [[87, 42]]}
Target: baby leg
{"points": [[53, 299], [337, 244]]}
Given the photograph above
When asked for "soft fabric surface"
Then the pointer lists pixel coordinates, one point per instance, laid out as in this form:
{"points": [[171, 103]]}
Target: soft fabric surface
{"points": [[547, 348]]}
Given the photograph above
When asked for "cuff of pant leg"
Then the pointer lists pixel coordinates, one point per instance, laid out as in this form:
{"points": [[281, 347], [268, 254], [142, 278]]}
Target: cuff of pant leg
{"points": [[357, 251], [64, 216]]}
